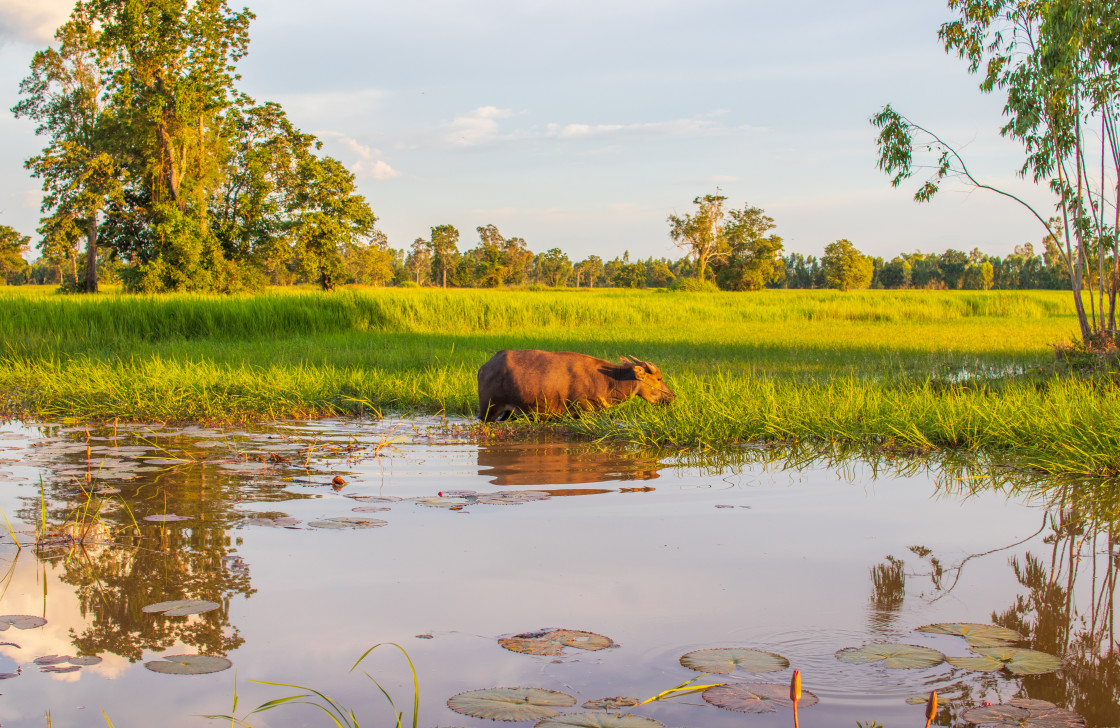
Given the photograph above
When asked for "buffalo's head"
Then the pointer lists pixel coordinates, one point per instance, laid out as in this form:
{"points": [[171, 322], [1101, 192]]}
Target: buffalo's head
{"points": [[651, 387]]}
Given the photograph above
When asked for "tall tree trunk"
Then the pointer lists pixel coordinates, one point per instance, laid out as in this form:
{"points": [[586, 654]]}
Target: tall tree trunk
{"points": [[91, 255]]}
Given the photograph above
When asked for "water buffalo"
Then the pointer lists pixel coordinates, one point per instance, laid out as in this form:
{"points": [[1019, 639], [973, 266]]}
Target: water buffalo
{"points": [[553, 382]]}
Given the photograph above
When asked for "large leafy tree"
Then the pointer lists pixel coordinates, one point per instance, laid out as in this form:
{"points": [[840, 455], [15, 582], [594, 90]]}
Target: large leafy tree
{"points": [[1058, 63], [330, 215], [12, 247], [753, 258], [444, 245], [845, 267], [65, 95]]}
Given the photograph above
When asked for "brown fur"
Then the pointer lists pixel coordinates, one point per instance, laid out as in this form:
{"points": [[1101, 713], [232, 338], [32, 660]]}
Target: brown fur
{"points": [[529, 381]]}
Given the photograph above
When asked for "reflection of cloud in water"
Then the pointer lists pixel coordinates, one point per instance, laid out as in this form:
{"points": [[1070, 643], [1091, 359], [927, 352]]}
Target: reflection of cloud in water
{"points": [[25, 595], [561, 464]]}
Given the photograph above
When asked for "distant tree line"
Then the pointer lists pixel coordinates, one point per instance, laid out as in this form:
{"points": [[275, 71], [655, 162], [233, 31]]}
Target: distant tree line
{"points": [[159, 174]]}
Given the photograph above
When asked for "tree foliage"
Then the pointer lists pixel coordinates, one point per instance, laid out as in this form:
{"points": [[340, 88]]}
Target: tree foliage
{"points": [[12, 248], [196, 187], [845, 267], [1058, 64]]}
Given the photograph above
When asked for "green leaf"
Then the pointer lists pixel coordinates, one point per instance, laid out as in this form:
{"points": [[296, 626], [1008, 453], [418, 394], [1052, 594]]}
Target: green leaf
{"points": [[977, 635], [892, 655], [755, 697], [599, 720], [1018, 660], [188, 664], [510, 703], [726, 659], [1024, 713], [553, 642]]}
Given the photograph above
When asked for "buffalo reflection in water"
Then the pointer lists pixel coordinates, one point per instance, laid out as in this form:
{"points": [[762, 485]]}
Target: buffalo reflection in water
{"points": [[562, 464]]}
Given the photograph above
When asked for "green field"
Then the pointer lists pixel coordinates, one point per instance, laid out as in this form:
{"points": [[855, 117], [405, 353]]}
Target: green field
{"points": [[899, 370]]}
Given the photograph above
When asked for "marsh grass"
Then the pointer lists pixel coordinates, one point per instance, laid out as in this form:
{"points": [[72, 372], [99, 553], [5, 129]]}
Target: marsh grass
{"points": [[910, 370]]}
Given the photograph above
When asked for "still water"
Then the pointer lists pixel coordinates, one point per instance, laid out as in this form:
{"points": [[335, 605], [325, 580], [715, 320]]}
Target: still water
{"points": [[317, 540]]}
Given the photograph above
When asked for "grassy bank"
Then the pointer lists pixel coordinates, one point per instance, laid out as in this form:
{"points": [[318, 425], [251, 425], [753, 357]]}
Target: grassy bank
{"points": [[901, 368]]}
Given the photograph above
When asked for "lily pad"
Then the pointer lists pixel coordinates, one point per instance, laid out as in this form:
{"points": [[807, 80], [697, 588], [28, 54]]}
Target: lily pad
{"points": [[59, 668], [1025, 713], [755, 697], [85, 660], [181, 607], [725, 659], [553, 642], [21, 621], [51, 659], [599, 720], [892, 655], [610, 703], [166, 518], [188, 664], [977, 635], [8, 675], [370, 509], [349, 522], [1018, 660], [510, 703]]}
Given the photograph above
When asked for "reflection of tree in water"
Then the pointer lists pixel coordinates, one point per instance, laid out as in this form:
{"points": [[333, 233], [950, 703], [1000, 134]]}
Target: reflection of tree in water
{"points": [[888, 591], [1061, 618], [113, 584], [1068, 608], [153, 562]]}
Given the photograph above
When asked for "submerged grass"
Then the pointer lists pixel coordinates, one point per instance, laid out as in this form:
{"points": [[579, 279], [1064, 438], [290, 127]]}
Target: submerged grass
{"points": [[906, 369]]}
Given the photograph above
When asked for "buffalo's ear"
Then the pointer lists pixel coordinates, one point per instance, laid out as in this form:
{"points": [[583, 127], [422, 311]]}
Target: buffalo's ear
{"points": [[640, 373]]}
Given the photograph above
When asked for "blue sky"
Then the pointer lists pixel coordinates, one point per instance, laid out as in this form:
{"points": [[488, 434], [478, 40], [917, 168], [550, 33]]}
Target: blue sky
{"points": [[582, 125]]}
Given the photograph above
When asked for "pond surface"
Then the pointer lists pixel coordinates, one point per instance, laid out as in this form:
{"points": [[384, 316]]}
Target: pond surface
{"points": [[317, 540]]}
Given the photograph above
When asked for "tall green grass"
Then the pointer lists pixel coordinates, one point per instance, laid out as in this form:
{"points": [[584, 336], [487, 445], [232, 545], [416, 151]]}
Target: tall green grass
{"points": [[911, 369]]}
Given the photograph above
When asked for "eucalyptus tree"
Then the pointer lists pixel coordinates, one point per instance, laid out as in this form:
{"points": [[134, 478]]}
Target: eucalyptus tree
{"points": [[444, 246], [1058, 62], [65, 94], [699, 233]]}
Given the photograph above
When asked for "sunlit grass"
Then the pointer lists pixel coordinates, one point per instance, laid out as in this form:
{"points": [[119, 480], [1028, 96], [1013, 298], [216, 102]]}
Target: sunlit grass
{"points": [[906, 369]]}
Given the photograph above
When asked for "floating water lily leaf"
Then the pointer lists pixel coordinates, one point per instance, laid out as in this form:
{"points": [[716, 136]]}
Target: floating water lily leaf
{"points": [[1025, 713], [755, 697], [553, 642], [892, 655], [724, 660], [599, 720], [51, 659], [349, 522], [285, 522], [610, 703], [977, 635], [188, 664], [21, 621], [85, 660], [510, 703], [8, 675], [181, 607], [370, 509], [373, 498], [166, 518], [57, 668], [1016, 659]]}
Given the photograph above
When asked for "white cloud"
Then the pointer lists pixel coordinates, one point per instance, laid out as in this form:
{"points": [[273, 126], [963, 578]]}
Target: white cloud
{"points": [[475, 127], [33, 21], [673, 128], [369, 162]]}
